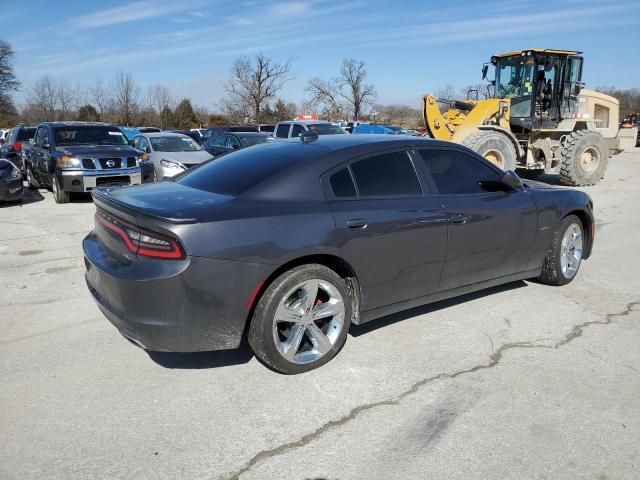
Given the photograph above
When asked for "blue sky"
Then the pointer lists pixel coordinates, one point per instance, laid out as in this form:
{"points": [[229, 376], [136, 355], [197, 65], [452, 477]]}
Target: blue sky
{"points": [[410, 47]]}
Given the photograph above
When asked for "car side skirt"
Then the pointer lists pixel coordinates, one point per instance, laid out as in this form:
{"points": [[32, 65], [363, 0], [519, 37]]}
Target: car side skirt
{"points": [[438, 296]]}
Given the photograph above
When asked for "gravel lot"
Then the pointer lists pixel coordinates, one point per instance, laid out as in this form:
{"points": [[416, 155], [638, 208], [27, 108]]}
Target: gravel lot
{"points": [[522, 381]]}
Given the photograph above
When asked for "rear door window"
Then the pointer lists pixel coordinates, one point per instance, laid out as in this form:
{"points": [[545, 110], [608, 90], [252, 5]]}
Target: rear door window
{"points": [[389, 174], [342, 184], [457, 173], [282, 131]]}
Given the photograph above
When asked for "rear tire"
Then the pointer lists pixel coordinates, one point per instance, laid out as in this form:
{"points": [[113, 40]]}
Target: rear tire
{"points": [[59, 195], [305, 342], [564, 256], [493, 146], [585, 156]]}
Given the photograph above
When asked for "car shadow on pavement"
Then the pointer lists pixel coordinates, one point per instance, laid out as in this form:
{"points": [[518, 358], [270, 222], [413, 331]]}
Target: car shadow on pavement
{"points": [[30, 196], [202, 360], [357, 330]]}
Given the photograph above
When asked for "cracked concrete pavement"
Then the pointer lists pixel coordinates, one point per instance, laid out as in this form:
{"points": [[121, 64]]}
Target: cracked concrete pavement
{"points": [[520, 381]]}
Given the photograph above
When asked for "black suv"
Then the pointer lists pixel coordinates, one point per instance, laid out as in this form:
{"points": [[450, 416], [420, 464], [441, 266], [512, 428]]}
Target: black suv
{"points": [[80, 156], [17, 139]]}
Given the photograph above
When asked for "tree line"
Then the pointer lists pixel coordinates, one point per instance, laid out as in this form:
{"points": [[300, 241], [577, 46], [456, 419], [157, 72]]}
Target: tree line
{"points": [[252, 94]]}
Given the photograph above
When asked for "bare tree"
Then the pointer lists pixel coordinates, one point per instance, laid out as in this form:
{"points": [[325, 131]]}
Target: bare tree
{"points": [[255, 81], [127, 94], [68, 99], [327, 94], [348, 92], [41, 99], [160, 96], [353, 88], [100, 98], [449, 92]]}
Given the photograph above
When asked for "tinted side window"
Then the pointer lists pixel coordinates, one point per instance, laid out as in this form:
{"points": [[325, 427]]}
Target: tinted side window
{"points": [[282, 131], [297, 130], [342, 184], [456, 172], [386, 175]]}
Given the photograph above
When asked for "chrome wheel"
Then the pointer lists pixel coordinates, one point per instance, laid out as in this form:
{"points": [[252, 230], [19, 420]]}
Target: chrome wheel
{"points": [[571, 251], [308, 321]]}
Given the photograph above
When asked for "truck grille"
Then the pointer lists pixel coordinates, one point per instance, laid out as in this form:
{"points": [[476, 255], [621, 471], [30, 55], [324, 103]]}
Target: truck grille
{"points": [[88, 164], [113, 181], [107, 163]]}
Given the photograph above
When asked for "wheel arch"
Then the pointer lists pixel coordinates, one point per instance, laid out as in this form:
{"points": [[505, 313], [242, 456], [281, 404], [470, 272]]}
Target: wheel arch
{"points": [[588, 226], [332, 262]]}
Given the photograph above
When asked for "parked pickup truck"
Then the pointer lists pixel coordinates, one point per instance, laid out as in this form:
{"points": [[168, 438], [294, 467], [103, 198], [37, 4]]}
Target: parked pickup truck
{"points": [[80, 156]]}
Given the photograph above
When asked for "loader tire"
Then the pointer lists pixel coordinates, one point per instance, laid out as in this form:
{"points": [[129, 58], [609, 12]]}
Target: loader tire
{"points": [[585, 156], [493, 146]]}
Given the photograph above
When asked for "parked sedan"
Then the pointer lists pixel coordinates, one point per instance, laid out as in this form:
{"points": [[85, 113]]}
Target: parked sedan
{"points": [[11, 187], [228, 142], [300, 238], [171, 153]]}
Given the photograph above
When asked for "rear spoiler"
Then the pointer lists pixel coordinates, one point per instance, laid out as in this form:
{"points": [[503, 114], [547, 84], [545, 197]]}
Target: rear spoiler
{"points": [[103, 199]]}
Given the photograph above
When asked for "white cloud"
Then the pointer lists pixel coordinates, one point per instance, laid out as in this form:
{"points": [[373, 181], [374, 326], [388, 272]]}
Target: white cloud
{"points": [[139, 10]]}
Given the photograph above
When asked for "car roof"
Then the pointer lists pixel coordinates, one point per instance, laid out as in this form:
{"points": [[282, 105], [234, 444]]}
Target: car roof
{"points": [[248, 134], [78, 124], [366, 142], [306, 122], [163, 134]]}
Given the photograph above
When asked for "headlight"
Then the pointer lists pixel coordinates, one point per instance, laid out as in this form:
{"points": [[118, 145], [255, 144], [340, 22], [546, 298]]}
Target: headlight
{"points": [[68, 162], [169, 164]]}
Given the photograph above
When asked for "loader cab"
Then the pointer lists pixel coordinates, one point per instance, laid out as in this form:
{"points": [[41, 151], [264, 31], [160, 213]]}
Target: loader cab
{"points": [[543, 86]]}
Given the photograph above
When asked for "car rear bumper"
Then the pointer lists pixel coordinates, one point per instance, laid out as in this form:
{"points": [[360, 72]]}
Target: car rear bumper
{"points": [[190, 305], [87, 180], [11, 191]]}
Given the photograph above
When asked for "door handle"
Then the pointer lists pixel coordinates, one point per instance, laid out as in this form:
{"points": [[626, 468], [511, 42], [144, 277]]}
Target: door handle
{"points": [[356, 223], [459, 218]]}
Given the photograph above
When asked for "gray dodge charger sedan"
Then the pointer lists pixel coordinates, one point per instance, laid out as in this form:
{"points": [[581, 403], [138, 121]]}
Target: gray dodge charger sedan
{"points": [[290, 242]]}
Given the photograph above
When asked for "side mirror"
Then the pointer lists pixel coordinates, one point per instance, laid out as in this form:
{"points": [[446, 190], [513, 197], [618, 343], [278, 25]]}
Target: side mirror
{"points": [[147, 150], [512, 180], [485, 69], [46, 146], [235, 147], [132, 143]]}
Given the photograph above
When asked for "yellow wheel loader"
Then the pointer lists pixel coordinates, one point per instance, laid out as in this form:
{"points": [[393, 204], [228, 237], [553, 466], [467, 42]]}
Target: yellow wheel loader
{"points": [[538, 117]]}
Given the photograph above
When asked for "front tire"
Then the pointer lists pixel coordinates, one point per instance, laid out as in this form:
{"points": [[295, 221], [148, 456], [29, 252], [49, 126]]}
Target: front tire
{"points": [[59, 195], [493, 146], [565, 253], [302, 319], [585, 155]]}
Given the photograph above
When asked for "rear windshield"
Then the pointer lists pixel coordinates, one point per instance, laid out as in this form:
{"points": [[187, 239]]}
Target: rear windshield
{"points": [[250, 140], [25, 134], [174, 144], [239, 171], [88, 135]]}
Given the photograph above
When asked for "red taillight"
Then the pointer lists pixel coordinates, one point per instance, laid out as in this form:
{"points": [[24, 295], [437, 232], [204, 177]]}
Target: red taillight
{"points": [[17, 146], [593, 231], [139, 241]]}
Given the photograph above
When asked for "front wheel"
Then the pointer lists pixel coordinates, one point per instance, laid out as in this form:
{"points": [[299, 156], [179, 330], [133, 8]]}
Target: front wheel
{"points": [[302, 319], [565, 253], [59, 195]]}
